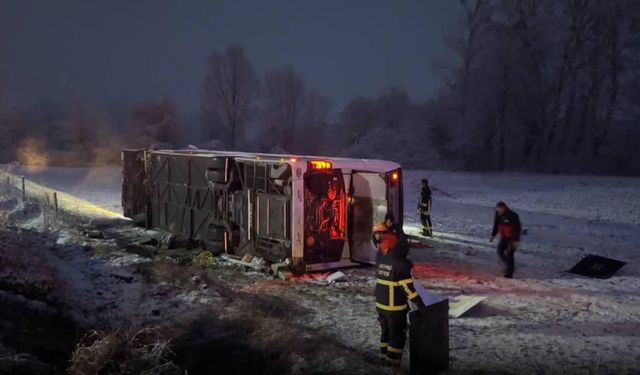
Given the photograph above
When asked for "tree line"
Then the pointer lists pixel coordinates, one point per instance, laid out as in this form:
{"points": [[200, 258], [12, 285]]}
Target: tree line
{"points": [[539, 85], [544, 85], [279, 109]]}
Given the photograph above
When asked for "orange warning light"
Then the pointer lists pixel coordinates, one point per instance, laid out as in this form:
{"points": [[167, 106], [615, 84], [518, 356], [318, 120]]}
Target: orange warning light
{"points": [[320, 164]]}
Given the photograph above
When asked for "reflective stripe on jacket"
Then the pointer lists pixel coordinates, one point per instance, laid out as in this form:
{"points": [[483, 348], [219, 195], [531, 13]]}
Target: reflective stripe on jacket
{"points": [[394, 285]]}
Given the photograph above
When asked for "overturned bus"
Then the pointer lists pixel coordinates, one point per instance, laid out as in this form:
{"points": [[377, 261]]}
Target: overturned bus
{"points": [[316, 213]]}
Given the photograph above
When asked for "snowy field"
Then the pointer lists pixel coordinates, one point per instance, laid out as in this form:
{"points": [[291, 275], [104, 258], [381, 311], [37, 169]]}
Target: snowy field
{"points": [[100, 185], [543, 321]]}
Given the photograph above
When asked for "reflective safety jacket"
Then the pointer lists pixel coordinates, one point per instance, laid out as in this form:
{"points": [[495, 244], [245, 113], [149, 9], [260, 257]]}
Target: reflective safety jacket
{"points": [[424, 204], [394, 285]]}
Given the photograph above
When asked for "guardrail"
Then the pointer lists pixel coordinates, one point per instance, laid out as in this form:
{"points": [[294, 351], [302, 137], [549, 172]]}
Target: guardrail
{"points": [[55, 200]]}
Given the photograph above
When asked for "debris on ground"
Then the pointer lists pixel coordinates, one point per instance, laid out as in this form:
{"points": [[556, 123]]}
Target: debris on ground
{"points": [[542, 321], [277, 267], [284, 275], [248, 261], [126, 279], [167, 241], [337, 277], [204, 259], [93, 234]]}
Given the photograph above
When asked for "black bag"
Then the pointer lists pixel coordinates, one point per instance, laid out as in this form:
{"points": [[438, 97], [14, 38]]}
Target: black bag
{"points": [[429, 339]]}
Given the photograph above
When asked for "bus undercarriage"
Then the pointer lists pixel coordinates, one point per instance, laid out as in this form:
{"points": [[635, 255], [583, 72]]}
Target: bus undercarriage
{"points": [[314, 214]]}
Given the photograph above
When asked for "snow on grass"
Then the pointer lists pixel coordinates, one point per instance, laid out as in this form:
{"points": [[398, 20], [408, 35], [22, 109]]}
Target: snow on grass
{"points": [[544, 320], [99, 185], [595, 198]]}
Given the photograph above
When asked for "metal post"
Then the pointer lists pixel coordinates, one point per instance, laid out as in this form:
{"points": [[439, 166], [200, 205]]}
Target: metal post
{"points": [[55, 201], [24, 191]]}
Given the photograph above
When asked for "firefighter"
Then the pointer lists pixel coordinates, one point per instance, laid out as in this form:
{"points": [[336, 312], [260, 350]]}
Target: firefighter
{"points": [[394, 287], [507, 224], [390, 223], [424, 208], [391, 226]]}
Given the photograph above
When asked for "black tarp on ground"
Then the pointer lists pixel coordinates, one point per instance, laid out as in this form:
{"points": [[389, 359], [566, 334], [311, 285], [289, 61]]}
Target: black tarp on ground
{"points": [[597, 266]]}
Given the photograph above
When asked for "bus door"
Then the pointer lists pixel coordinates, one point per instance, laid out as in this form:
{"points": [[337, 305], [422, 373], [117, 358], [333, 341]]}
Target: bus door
{"points": [[369, 206]]}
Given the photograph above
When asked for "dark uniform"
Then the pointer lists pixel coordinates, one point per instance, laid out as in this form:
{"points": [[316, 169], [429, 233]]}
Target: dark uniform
{"points": [[394, 287], [509, 227], [424, 209]]}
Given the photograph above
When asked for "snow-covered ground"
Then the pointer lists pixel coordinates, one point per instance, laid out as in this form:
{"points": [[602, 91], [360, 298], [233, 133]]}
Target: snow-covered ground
{"points": [[546, 319], [99, 185], [543, 321]]}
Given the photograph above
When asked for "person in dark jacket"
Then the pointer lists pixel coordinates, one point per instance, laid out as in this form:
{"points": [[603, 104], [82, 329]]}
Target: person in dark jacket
{"points": [[394, 287], [392, 226], [424, 208], [507, 224]]}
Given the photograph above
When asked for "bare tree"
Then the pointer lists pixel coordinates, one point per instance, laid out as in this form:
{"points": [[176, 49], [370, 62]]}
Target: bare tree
{"points": [[314, 116], [469, 42], [620, 35], [357, 117], [153, 124], [229, 91], [285, 95], [469, 47], [14, 125], [540, 83], [83, 125], [2, 92], [393, 108]]}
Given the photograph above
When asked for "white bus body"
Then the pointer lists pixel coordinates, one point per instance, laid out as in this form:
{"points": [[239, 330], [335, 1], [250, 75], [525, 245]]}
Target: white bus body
{"points": [[314, 212]]}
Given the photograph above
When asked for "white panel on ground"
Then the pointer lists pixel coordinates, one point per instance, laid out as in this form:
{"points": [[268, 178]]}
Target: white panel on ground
{"points": [[427, 297], [458, 305]]}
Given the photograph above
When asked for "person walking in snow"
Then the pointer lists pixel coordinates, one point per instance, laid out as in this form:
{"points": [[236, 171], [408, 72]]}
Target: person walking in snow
{"points": [[507, 224], [394, 287], [424, 208]]}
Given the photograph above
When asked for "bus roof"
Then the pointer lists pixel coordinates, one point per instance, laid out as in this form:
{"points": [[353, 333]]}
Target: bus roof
{"points": [[338, 162]]}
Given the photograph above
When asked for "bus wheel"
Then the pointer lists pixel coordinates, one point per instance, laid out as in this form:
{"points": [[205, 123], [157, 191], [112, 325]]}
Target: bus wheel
{"points": [[216, 247]]}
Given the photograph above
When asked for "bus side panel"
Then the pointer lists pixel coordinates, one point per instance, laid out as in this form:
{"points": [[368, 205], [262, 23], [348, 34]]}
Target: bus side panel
{"points": [[267, 202], [181, 201], [297, 213], [134, 194], [199, 199], [159, 177]]}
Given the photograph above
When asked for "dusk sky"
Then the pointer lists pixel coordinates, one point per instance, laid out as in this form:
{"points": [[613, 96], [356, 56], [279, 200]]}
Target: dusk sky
{"points": [[120, 51]]}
